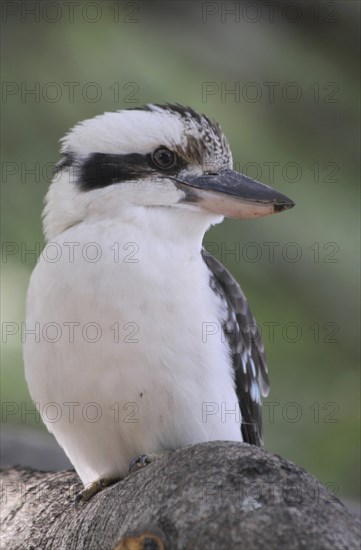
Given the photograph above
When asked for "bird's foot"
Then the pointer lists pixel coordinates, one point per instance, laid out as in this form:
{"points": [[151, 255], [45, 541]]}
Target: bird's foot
{"points": [[93, 488], [140, 462]]}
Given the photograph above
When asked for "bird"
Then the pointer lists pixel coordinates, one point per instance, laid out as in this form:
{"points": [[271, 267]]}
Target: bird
{"points": [[145, 342]]}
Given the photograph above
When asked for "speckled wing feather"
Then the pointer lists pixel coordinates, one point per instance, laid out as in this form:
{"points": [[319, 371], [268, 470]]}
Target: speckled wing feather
{"points": [[246, 348]]}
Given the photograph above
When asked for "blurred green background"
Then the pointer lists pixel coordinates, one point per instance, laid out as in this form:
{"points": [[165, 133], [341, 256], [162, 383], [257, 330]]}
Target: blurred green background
{"points": [[283, 82]]}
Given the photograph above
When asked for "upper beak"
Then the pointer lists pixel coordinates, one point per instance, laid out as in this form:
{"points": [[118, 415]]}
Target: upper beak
{"points": [[234, 195]]}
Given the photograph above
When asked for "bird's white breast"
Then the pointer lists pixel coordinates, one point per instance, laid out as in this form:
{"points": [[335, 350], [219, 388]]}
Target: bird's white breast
{"points": [[120, 365]]}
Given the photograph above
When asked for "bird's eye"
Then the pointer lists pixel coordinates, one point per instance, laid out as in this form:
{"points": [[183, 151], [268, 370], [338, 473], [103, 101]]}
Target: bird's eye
{"points": [[164, 158]]}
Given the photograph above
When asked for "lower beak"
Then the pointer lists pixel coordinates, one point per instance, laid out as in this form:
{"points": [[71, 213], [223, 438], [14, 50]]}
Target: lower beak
{"points": [[233, 195]]}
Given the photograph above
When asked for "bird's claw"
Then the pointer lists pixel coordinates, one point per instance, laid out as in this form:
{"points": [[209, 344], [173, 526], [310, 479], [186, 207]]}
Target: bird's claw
{"points": [[92, 489], [138, 462], [141, 461]]}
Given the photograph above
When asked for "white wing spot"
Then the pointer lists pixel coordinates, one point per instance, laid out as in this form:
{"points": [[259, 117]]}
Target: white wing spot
{"points": [[254, 391]]}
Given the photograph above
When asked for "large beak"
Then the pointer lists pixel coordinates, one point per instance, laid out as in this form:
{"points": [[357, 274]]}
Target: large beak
{"points": [[233, 195]]}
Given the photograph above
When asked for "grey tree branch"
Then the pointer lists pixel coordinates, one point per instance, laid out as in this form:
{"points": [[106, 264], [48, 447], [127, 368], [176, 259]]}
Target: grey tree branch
{"points": [[216, 495]]}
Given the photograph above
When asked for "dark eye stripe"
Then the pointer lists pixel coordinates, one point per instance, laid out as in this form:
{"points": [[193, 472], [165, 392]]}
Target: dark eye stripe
{"points": [[102, 169]]}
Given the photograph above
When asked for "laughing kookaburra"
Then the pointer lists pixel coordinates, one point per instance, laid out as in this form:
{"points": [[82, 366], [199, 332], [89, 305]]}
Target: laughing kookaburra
{"points": [[146, 342]]}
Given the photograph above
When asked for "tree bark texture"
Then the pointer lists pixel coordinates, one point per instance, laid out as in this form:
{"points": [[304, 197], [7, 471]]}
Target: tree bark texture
{"points": [[216, 495]]}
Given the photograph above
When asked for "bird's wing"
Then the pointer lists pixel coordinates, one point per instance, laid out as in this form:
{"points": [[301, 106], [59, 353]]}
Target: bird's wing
{"points": [[246, 348]]}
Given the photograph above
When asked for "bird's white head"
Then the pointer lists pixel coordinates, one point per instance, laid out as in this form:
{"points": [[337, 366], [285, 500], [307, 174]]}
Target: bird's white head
{"points": [[162, 158]]}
